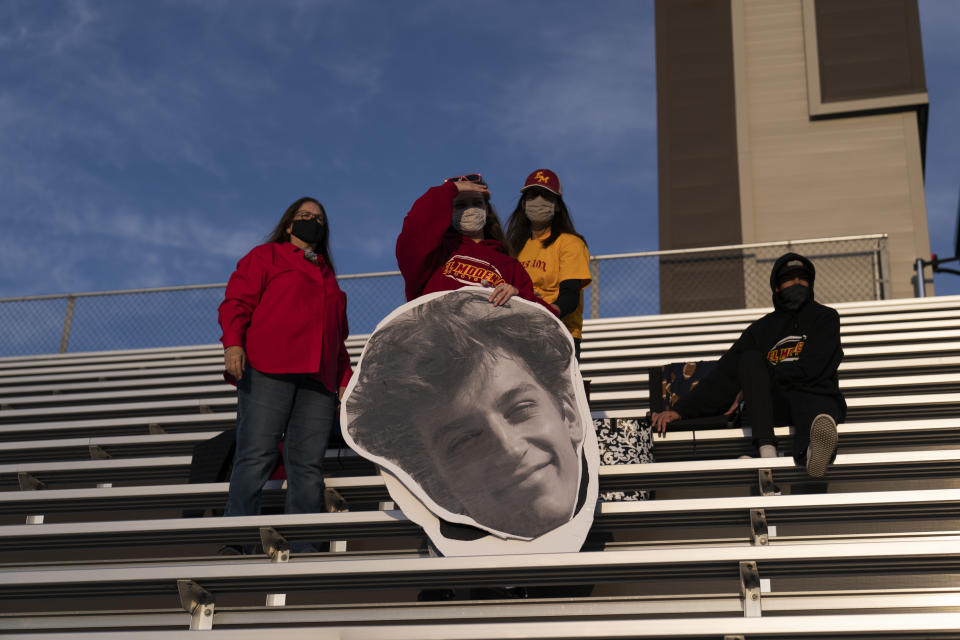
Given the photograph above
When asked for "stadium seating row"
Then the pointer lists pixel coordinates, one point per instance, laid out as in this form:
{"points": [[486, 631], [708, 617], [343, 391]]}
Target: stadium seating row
{"points": [[94, 456]]}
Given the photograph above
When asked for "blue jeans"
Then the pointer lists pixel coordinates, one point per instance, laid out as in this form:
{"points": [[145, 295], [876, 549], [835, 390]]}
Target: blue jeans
{"points": [[300, 411]]}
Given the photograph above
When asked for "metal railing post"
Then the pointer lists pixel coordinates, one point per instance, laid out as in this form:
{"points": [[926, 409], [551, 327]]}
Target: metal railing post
{"points": [[594, 288], [885, 268], [919, 288], [877, 281], [67, 321]]}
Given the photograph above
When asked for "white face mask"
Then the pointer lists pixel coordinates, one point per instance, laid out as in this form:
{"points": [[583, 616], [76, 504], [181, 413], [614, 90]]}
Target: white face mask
{"points": [[539, 210], [469, 221]]}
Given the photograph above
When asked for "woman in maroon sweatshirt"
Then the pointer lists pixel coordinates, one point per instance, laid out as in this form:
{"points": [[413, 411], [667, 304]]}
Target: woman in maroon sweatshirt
{"points": [[452, 238], [284, 324]]}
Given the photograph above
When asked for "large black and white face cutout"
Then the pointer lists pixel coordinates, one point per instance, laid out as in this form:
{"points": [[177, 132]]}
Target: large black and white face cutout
{"points": [[477, 417]]}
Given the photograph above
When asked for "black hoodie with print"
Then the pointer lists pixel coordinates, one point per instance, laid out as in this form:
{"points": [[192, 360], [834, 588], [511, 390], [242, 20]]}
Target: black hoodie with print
{"points": [[802, 348]]}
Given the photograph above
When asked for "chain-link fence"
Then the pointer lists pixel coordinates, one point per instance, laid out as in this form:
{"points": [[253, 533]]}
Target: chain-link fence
{"points": [[732, 277], [646, 283], [139, 319]]}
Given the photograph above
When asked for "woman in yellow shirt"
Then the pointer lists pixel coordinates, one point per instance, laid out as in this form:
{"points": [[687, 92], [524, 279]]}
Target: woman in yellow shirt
{"points": [[541, 234]]}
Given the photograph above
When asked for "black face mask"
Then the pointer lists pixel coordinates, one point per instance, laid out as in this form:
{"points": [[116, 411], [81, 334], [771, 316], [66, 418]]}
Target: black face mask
{"points": [[310, 231], [792, 297]]}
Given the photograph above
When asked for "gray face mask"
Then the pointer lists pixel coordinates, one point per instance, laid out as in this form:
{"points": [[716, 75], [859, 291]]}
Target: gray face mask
{"points": [[469, 221], [539, 210]]}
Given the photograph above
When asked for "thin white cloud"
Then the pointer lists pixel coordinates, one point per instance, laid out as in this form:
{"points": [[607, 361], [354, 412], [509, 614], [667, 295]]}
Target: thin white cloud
{"points": [[157, 230], [87, 251], [586, 90], [81, 16], [68, 28], [362, 71]]}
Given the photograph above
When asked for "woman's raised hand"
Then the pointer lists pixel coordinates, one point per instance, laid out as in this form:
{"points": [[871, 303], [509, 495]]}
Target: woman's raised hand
{"points": [[463, 185], [235, 360]]}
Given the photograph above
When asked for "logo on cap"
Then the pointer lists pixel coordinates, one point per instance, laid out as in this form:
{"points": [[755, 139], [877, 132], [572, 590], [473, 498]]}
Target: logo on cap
{"points": [[545, 179]]}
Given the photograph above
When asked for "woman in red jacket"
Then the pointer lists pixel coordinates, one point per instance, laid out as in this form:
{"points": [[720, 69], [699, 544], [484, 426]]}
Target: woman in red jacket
{"points": [[452, 238], [284, 325]]}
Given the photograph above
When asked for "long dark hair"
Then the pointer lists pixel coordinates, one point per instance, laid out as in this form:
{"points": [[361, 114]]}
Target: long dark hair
{"points": [[519, 229], [279, 233], [492, 229]]}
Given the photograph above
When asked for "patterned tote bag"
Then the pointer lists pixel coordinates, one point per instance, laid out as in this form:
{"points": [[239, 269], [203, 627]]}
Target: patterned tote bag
{"points": [[624, 441]]}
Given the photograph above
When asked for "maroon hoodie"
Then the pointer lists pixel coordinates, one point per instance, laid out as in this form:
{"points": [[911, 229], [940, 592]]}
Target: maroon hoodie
{"points": [[434, 257]]}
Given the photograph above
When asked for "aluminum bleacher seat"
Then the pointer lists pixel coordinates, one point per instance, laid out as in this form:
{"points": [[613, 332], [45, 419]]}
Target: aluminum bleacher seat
{"points": [[512, 621], [94, 453], [737, 569], [707, 473], [660, 521]]}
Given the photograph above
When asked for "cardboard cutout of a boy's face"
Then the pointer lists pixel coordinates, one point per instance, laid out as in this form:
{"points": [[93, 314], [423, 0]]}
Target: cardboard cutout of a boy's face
{"points": [[477, 417]]}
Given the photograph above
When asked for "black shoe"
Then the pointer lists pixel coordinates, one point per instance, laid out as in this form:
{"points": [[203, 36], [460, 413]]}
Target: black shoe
{"points": [[498, 593], [436, 595], [229, 550], [823, 445]]}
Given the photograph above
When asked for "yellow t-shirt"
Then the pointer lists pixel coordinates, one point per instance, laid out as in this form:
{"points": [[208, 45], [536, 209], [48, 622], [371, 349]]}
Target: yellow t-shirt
{"points": [[566, 259]]}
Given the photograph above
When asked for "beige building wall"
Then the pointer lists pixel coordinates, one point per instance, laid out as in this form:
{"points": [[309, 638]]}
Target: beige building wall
{"points": [[803, 178]]}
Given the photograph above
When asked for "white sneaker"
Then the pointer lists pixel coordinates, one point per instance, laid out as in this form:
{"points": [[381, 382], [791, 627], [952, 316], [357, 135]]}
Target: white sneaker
{"points": [[823, 442]]}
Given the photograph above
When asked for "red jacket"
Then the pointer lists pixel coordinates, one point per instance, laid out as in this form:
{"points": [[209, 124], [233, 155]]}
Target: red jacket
{"points": [[288, 314], [434, 257]]}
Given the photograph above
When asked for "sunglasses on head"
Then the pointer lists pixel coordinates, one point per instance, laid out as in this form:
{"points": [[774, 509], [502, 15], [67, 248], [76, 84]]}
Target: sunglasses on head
{"points": [[470, 177]]}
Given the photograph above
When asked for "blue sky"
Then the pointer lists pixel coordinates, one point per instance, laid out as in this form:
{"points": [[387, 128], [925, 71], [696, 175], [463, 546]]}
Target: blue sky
{"points": [[940, 27], [153, 143]]}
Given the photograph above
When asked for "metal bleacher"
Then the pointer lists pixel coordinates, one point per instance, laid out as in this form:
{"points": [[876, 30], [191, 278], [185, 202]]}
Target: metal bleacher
{"points": [[94, 460]]}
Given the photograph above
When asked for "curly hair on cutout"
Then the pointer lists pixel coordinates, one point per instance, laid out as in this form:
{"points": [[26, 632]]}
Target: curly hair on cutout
{"points": [[410, 365]]}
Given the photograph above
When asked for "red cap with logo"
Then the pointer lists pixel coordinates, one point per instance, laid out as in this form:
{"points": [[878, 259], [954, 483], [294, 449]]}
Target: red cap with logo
{"points": [[545, 179]]}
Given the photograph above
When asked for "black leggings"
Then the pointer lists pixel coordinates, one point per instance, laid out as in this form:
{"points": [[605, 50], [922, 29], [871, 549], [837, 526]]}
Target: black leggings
{"points": [[766, 404]]}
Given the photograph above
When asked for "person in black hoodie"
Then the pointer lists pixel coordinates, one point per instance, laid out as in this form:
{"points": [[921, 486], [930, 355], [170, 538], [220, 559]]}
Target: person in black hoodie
{"points": [[785, 364]]}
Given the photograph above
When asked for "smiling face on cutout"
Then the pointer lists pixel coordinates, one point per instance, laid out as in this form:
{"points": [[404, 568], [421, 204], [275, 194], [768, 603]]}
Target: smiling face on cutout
{"points": [[507, 450], [477, 418]]}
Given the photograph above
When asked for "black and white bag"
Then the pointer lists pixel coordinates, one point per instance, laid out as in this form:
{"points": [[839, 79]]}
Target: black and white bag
{"points": [[624, 441]]}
